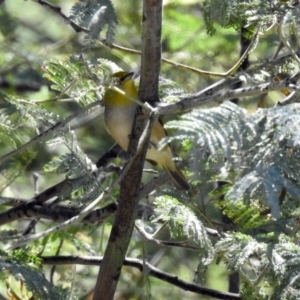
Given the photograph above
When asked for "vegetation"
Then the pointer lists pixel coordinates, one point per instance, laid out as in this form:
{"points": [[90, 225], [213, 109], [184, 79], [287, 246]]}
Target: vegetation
{"points": [[71, 200]]}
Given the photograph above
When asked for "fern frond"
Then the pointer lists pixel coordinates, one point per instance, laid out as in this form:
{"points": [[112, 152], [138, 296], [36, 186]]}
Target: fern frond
{"points": [[245, 217], [277, 262], [234, 13], [285, 261], [32, 278], [78, 168], [79, 79], [183, 222], [19, 120], [248, 291], [169, 91], [259, 152]]}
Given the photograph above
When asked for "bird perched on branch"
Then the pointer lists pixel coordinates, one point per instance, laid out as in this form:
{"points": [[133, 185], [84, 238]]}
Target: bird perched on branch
{"points": [[119, 114]]}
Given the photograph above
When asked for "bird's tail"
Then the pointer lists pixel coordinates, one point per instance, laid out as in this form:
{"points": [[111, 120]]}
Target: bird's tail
{"points": [[178, 178]]}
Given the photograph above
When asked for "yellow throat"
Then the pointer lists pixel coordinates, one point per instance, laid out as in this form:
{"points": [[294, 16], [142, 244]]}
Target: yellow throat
{"points": [[123, 93]]}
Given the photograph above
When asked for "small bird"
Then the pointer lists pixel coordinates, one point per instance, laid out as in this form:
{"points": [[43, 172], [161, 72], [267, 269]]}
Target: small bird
{"points": [[119, 114]]}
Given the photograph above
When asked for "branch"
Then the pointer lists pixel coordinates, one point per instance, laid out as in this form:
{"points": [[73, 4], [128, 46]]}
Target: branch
{"points": [[26, 208], [144, 267], [125, 217], [197, 100], [19, 86], [20, 210], [108, 156], [151, 51], [76, 219], [58, 213], [35, 207], [121, 179], [180, 244], [57, 10]]}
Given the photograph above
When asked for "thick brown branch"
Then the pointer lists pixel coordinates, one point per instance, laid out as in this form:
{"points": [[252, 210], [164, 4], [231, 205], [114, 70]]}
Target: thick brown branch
{"points": [[125, 217], [23, 208], [108, 156], [58, 214], [129, 188], [151, 51]]}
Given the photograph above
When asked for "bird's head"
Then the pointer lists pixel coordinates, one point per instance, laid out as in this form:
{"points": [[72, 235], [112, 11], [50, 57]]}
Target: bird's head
{"points": [[122, 91]]}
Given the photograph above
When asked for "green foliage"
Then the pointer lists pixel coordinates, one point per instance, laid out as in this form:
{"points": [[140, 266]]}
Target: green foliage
{"points": [[19, 119], [86, 180], [277, 263], [183, 222], [73, 164], [72, 78], [80, 79], [20, 265], [169, 91], [255, 151], [16, 167], [242, 215], [256, 154], [235, 13], [94, 15]]}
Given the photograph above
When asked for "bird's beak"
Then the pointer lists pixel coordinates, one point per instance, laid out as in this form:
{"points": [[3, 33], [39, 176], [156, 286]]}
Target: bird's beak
{"points": [[127, 76]]}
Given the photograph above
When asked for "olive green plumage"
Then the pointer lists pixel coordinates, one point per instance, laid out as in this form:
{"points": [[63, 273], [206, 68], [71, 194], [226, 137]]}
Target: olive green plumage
{"points": [[119, 114]]}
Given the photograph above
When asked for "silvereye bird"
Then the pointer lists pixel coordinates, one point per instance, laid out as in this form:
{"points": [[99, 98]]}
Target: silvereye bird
{"points": [[119, 114]]}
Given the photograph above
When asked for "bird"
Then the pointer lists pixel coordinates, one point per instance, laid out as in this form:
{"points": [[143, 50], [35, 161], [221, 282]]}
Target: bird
{"points": [[119, 111]]}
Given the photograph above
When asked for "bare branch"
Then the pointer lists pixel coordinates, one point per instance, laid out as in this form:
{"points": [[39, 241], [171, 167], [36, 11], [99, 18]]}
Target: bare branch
{"points": [[26, 239], [58, 213], [197, 100], [143, 266]]}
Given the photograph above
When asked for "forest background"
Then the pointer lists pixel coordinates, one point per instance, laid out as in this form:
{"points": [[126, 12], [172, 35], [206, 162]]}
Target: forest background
{"points": [[235, 234]]}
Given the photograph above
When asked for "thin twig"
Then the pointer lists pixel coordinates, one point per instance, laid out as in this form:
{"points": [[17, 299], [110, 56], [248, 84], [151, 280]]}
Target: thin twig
{"points": [[180, 244], [57, 10], [42, 136], [52, 271]]}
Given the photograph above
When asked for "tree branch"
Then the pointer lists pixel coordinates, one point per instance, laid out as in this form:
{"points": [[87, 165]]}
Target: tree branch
{"points": [[60, 213], [35, 207], [129, 188], [26, 239], [125, 217], [144, 267], [151, 51], [23, 209], [57, 10], [197, 100]]}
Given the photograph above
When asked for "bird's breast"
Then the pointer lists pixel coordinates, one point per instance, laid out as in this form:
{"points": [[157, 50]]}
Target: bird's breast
{"points": [[118, 121]]}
